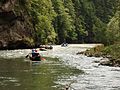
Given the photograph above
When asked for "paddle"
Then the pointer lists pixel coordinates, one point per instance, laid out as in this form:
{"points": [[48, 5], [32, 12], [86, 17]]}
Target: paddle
{"points": [[27, 56], [43, 58]]}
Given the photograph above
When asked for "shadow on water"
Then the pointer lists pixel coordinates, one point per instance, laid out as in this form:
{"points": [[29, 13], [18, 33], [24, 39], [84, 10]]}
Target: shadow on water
{"points": [[21, 74]]}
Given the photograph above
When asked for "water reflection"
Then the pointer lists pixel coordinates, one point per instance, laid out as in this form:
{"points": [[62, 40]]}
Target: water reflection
{"points": [[21, 74]]}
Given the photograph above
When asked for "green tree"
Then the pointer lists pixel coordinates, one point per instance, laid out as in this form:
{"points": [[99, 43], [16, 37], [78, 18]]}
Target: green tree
{"points": [[105, 9], [99, 29], [43, 15], [85, 11], [71, 10], [113, 30], [63, 22], [79, 21]]}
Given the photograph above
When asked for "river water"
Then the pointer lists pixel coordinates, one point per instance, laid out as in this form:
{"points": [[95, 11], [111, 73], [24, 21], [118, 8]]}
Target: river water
{"points": [[61, 67]]}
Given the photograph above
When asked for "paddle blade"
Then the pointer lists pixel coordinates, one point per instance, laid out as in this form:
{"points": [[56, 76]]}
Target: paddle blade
{"points": [[43, 58], [27, 56]]}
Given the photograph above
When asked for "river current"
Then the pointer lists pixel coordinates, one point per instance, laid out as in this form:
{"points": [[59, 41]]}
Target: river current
{"points": [[95, 77]]}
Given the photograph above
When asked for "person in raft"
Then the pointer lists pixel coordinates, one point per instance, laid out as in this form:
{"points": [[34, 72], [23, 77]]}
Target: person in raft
{"points": [[35, 55]]}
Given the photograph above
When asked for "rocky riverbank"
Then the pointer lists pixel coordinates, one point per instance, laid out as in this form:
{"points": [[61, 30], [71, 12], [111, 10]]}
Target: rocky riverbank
{"points": [[16, 29], [110, 54]]}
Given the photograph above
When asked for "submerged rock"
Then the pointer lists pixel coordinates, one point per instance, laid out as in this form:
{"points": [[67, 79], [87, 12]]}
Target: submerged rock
{"points": [[105, 61]]}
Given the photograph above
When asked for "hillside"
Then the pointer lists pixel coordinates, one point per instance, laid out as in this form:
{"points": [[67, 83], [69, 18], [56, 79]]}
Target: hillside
{"points": [[24, 24]]}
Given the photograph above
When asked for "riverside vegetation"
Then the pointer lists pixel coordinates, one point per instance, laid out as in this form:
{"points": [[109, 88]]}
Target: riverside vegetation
{"points": [[110, 54]]}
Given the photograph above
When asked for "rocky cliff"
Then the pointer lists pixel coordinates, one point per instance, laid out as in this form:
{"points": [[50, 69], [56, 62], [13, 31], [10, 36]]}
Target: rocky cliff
{"points": [[16, 30]]}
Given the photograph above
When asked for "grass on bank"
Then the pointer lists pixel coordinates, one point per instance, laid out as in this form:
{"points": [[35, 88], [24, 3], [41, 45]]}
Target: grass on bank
{"points": [[111, 52]]}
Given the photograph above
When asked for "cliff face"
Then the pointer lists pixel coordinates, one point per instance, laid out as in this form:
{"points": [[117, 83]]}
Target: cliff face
{"points": [[16, 29]]}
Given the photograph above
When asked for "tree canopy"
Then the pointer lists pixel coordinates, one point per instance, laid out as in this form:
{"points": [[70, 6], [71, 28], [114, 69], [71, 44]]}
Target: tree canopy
{"points": [[75, 21]]}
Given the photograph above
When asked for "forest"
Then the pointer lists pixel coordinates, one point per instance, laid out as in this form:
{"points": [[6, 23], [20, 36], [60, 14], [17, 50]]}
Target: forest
{"points": [[76, 21], [58, 21]]}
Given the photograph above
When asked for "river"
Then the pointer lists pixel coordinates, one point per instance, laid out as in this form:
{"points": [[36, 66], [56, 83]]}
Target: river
{"points": [[62, 66]]}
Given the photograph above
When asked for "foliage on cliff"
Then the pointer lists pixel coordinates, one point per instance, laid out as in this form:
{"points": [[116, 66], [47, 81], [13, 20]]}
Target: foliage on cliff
{"points": [[74, 21], [56, 21]]}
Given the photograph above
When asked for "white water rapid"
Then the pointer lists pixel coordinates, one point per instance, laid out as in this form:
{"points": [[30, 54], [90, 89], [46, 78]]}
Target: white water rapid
{"points": [[95, 77]]}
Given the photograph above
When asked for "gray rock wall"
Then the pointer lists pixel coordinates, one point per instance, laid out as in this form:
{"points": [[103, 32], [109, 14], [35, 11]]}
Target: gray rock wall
{"points": [[15, 26]]}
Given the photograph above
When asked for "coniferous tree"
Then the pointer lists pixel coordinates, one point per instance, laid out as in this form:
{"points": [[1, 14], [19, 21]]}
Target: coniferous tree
{"points": [[71, 10], [63, 22], [43, 16], [79, 22], [113, 28]]}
